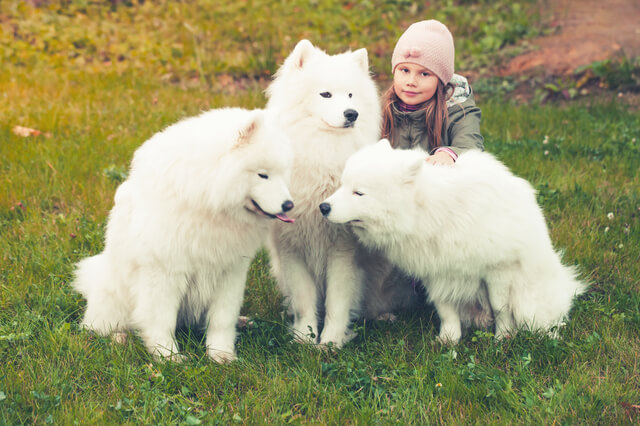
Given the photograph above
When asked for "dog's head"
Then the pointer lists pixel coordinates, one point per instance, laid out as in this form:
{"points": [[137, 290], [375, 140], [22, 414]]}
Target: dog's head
{"points": [[333, 91], [377, 189], [266, 155]]}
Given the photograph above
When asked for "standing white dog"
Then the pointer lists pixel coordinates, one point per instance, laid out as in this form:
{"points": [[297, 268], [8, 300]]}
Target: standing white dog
{"points": [[330, 105], [455, 228], [186, 224]]}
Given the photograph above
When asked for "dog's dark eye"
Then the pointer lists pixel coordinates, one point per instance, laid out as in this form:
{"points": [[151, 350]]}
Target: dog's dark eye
{"points": [[263, 175], [351, 95], [325, 94], [358, 193]]}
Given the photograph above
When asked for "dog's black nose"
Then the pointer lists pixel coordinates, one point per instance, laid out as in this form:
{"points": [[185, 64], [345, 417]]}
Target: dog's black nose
{"points": [[325, 208], [351, 115], [287, 205]]}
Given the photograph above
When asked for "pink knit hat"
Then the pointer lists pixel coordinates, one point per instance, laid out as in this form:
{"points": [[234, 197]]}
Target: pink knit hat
{"points": [[428, 44]]}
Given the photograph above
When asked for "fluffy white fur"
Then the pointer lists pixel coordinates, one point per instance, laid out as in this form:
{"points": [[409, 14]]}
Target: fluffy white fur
{"points": [[329, 107], [197, 205], [471, 232]]}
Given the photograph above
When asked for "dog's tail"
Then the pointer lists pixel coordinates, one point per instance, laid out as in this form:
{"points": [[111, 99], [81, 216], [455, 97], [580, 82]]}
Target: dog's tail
{"points": [[106, 308], [548, 303], [566, 278], [86, 274], [568, 286], [575, 285]]}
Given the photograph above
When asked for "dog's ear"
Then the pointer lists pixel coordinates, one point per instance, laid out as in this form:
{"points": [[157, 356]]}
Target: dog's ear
{"points": [[413, 169], [362, 59], [246, 133], [301, 53]]}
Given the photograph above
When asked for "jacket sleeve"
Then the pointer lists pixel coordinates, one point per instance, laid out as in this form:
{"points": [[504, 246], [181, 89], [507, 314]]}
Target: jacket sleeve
{"points": [[463, 131]]}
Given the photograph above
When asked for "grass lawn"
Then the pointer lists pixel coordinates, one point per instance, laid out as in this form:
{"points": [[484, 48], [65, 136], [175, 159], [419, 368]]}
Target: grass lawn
{"points": [[99, 78]]}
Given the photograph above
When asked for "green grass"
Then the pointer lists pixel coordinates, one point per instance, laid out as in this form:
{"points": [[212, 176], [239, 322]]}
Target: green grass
{"points": [[56, 190]]}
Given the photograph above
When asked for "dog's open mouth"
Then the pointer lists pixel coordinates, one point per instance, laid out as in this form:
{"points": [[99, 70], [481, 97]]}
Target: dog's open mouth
{"points": [[281, 216]]}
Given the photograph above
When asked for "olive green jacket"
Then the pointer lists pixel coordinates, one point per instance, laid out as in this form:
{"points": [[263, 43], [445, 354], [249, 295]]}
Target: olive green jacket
{"points": [[461, 133]]}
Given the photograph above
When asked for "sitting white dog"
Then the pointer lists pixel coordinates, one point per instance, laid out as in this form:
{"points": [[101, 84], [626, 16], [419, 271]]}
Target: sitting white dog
{"points": [[470, 231], [329, 107], [196, 207]]}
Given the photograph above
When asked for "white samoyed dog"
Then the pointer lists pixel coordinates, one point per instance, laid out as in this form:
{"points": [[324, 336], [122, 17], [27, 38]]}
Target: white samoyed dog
{"points": [[329, 107], [197, 205], [471, 232]]}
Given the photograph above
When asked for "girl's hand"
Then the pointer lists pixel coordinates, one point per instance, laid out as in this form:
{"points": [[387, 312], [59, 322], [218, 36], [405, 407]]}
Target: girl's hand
{"points": [[440, 158]]}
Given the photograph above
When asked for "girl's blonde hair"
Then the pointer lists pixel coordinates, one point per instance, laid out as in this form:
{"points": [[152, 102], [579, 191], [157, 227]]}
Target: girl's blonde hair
{"points": [[435, 117]]}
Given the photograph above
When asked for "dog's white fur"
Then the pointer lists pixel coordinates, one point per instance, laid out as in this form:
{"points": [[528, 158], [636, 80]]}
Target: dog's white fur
{"points": [[470, 231], [315, 94], [185, 228]]}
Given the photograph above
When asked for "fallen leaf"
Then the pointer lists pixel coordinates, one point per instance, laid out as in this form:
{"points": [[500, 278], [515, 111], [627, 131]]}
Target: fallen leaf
{"points": [[28, 131], [25, 131], [19, 205]]}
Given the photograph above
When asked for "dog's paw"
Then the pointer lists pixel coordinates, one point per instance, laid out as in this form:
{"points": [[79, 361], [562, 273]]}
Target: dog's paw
{"points": [[349, 335], [171, 357], [449, 338], [326, 344], [502, 334], [450, 332], [554, 331], [308, 337], [338, 343], [221, 357], [166, 353], [119, 337], [326, 347], [387, 316], [446, 340], [303, 339], [244, 322]]}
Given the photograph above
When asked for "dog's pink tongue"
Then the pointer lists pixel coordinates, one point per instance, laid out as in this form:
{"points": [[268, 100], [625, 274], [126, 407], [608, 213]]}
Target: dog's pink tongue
{"points": [[283, 217]]}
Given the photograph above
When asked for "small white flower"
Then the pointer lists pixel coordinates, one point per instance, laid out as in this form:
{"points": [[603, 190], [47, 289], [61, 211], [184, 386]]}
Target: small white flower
{"points": [[546, 140], [606, 229], [546, 153], [610, 215], [621, 246]]}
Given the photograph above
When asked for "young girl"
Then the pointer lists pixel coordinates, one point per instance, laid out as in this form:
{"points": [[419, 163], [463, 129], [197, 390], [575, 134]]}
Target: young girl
{"points": [[428, 105]]}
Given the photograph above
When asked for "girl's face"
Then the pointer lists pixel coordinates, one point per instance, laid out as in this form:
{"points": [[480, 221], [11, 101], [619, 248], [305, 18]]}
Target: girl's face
{"points": [[413, 83]]}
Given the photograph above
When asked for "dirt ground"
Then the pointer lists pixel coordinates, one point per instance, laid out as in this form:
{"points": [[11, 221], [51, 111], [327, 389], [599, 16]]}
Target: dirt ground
{"points": [[586, 31]]}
